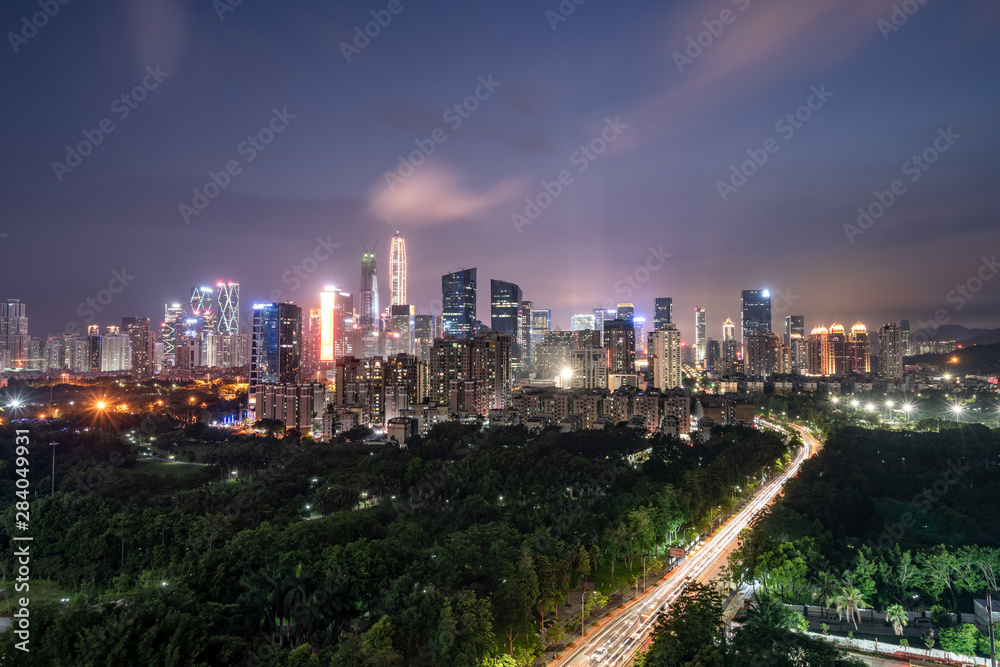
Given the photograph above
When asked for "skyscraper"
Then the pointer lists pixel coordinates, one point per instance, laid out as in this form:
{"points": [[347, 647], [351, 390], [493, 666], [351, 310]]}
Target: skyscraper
{"points": [[229, 308], [402, 318], [639, 325], [425, 330], [541, 323], [336, 319], [890, 352], [276, 346], [834, 351], [173, 324], [524, 340], [141, 341], [626, 311], [794, 324], [728, 330], [14, 337], [619, 339], [368, 315], [663, 312], [904, 337], [397, 271], [700, 335], [582, 323], [505, 301], [202, 308], [665, 357], [458, 298], [756, 314]]}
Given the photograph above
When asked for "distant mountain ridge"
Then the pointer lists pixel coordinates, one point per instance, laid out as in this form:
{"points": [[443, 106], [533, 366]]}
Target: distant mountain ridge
{"points": [[974, 360], [957, 332]]}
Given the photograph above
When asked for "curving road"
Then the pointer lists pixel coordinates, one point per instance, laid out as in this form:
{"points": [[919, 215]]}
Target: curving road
{"points": [[614, 643]]}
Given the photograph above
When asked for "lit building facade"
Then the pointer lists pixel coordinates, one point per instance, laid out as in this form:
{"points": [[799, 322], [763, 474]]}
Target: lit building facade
{"points": [[458, 298], [397, 271]]}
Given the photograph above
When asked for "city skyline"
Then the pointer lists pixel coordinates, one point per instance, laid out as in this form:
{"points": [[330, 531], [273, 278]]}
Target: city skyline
{"points": [[651, 199]]}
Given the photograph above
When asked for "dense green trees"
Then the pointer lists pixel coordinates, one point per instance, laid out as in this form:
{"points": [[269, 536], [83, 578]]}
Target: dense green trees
{"points": [[468, 543]]}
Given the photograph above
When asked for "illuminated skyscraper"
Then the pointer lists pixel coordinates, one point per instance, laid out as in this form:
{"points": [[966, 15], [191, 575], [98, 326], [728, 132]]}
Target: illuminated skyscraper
{"points": [[626, 311], [663, 312], [665, 357], [904, 337], [14, 337], [619, 339], [458, 298], [728, 330], [142, 343], [756, 312], [794, 324], [276, 346], [639, 325], [541, 323], [524, 340], [368, 315], [700, 335], [397, 271], [890, 352], [173, 324], [202, 307], [336, 319], [229, 308], [582, 323]]}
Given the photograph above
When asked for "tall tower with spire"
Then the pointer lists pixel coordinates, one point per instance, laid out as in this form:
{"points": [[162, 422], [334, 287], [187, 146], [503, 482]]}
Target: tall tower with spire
{"points": [[368, 305], [397, 271]]}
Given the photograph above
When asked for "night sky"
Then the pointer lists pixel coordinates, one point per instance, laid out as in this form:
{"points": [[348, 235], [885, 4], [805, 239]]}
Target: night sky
{"points": [[673, 125]]}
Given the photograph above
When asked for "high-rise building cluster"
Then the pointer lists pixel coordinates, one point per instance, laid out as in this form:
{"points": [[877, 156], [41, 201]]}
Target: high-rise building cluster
{"points": [[343, 361]]}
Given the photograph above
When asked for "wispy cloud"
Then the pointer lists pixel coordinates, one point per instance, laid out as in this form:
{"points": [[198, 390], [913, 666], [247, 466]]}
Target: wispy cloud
{"points": [[436, 194]]}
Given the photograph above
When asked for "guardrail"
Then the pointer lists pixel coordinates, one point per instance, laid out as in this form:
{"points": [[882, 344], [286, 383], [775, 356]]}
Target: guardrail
{"points": [[931, 655]]}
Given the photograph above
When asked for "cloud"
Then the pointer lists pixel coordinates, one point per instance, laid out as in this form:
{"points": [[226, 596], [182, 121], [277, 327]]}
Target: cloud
{"points": [[436, 194], [766, 44]]}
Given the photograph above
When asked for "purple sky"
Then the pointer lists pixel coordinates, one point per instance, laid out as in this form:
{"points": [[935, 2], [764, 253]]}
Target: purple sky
{"points": [[679, 129]]}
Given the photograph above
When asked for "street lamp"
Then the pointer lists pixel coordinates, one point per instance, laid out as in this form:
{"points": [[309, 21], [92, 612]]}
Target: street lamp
{"points": [[854, 403], [957, 410]]}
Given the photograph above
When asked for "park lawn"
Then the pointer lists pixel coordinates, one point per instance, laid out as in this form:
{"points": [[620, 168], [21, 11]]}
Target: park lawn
{"points": [[39, 590], [175, 476]]}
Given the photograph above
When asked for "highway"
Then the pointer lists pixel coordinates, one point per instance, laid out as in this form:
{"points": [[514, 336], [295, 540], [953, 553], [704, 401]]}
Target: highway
{"points": [[615, 643]]}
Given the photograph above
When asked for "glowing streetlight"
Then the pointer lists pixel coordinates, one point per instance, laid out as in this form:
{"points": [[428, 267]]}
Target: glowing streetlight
{"points": [[854, 403], [101, 405], [870, 407], [957, 410]]}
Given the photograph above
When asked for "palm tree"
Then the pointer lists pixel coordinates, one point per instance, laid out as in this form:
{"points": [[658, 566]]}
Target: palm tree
{"points": [[897, 616], [825, 586], [850, 601], [771, 613]]}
